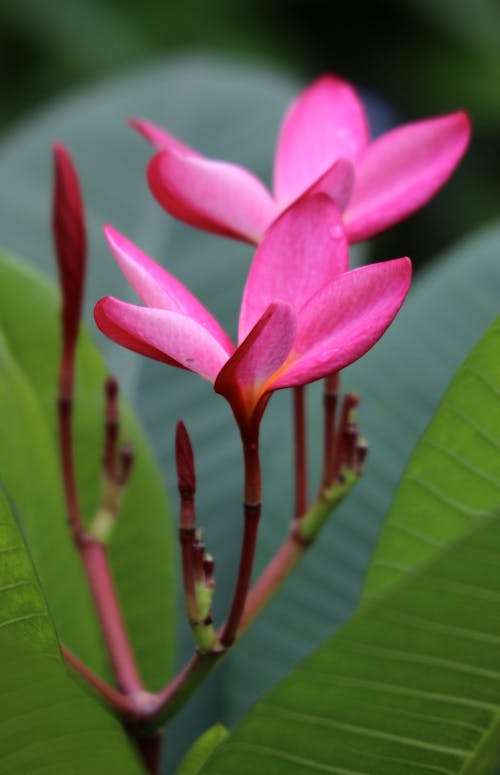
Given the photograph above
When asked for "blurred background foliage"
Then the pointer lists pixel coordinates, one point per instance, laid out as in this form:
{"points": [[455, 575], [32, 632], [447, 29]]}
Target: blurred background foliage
{"points": [[422, 57]]}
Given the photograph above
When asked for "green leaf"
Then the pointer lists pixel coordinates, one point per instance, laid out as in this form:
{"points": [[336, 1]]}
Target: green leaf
{"points": [[36, 495], [202, 749], [47, 724], [411, 684], [140, 548], [23, 612], [453, 476], [233, 112]]}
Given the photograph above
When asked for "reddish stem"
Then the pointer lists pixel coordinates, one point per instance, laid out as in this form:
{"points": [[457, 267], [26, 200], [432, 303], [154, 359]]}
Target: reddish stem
{"points": [[112, 428], [251, 512], [271, 578], [330, 400], [186, 539], [149, 748], [186, 482], [115, 698], [350, 402], [108, 609], [65, 408], [299, 416]]}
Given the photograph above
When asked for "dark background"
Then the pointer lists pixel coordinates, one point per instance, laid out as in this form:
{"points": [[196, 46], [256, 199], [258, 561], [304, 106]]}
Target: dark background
{"points": [[421, 57]]}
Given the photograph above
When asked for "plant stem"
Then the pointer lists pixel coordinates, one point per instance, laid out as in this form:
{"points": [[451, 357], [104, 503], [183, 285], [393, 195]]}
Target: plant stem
{"points": [[92, 552], [65, 410], [95, 559], [251, 513], [182, 686], [149, 747], [302, 535], [272, 578], [299, 416], [113, 697], [330, 400]]}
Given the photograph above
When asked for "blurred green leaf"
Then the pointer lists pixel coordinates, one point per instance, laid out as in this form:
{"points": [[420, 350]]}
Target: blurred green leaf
{"points": [[233, 112], [202, 749], [47, 724], [141, 547]]}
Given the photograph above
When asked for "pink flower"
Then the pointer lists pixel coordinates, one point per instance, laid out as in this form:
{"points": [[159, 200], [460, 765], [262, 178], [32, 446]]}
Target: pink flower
{"points": [[323, 146], [303, 315]]}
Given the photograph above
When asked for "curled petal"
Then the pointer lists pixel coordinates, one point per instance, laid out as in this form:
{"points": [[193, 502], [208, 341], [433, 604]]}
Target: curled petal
{"points": [[161, 334], [325, 122], [160, 138], [337, 182], [345, 319], [158, 288], [213, 195], [301, 252], [402, 170], [248, 373]]}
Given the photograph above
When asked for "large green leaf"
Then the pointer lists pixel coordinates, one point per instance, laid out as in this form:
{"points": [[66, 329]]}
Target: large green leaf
{"points": [[411, 684], [47, 724], [29, 472], [233, 112], [455, 466], [141, 550]]}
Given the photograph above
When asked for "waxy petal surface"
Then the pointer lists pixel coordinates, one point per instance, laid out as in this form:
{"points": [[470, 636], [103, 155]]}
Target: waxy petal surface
{"points": [[345, 320], [213, 195], [325, 122], [104, 315], [160, 138], [181, 340], [337, 182], [244, 378], [158, 288], [301, 252], [402, 170]]}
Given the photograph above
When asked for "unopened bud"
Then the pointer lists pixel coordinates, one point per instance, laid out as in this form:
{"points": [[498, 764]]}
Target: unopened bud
{"points": [[68, 228], [184, 458]]}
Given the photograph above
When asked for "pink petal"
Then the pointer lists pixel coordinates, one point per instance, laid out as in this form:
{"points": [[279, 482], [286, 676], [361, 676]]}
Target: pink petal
{"points": [[301, 252], [337, 182], [345, 319], [161, 334], [158, 288], [160, 138], [245, 377], [402, 170], [211, 195], [325, 122]]}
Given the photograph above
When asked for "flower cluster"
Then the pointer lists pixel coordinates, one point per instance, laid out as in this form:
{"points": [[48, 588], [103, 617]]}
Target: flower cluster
{"points": [[304, 314]]}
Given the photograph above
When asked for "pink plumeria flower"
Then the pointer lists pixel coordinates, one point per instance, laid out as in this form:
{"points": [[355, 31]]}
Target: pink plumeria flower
{"points": [[303, 315], [323, 146]]}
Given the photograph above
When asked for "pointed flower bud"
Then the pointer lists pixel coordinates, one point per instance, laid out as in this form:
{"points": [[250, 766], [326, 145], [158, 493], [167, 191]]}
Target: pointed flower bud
{"points": [[68, 228], [186, 477]]}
